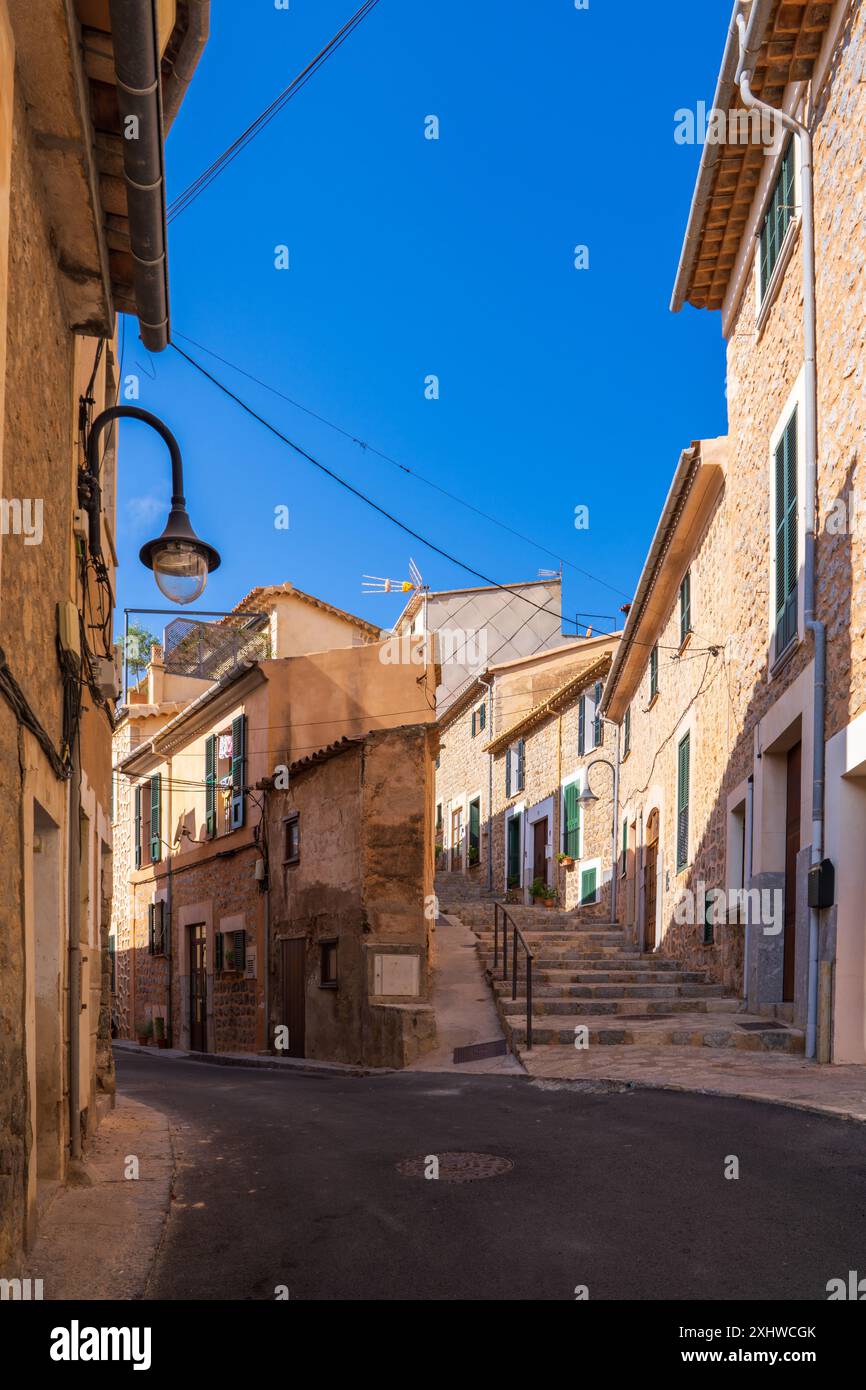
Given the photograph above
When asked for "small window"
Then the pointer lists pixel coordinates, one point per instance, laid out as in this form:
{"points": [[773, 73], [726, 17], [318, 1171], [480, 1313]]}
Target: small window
{"points": [[685, 607], [515, 768], [777, 218], [654, 671], [328, 964], [479, 719], [626, 733], [475, 830], [292, 838], [156, 928], [588, 887]]}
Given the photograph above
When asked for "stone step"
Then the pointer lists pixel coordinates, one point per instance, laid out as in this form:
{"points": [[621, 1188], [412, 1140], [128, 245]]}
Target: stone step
{"points": [[597, 973], [542, 990], [696, 1030], [593, 1008]]}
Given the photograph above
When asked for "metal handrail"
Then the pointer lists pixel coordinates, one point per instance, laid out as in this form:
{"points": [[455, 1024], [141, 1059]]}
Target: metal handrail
{"points": [[516, 935]]}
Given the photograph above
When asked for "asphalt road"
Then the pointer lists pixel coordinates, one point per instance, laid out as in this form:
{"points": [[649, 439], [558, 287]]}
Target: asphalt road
{"points": [[292, 1181]]}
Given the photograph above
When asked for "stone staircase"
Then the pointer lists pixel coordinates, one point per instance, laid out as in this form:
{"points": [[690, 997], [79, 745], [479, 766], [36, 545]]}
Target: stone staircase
{"points": [[588, 976]]}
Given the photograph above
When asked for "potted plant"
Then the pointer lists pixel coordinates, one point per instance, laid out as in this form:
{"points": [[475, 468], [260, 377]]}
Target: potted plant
{"points": [[159, 1031], [145, 1032], [541, 893], [474, 856], [565, 860]]}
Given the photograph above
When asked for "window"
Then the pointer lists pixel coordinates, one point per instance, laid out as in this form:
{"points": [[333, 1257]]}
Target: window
{"points": [[787, 565], [685, 606], [624, 864], [777, 218], [156, 929], [683, 803], [570, 821], [588, 886], [654, 671], [626, 733], [515, 768], [230, 950], [475, 830], [479, 719], [292, 838], [328, 964]]}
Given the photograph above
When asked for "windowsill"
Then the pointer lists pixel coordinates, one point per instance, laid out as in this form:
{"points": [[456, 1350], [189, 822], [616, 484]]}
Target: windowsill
{"points": [[327, 985], [785, 656], [778, 275]]}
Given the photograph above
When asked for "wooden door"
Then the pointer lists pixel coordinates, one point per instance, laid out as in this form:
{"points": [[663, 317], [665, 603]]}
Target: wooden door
{"points": [[294, 992], [651, 882], [457, 840], [539, 850], [198, 988], [792, 846]]}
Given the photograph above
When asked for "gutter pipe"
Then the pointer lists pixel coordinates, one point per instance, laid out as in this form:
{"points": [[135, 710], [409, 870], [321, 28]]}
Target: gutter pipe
{"points": [[748, 41], [489, 686], [139, 99]]}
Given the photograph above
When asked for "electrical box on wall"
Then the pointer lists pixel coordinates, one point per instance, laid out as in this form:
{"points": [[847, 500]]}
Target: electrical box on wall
{"points": [[105, 676], [822, 884], [69, 630]]}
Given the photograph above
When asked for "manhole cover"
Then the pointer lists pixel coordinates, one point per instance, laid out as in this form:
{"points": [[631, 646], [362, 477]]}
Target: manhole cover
{"points": [[767, 1026], [478, 1052], [456, 1167]]}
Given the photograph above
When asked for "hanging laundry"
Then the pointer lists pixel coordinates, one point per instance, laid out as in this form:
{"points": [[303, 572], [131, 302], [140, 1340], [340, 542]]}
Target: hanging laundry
{"points": [[225, 746]]}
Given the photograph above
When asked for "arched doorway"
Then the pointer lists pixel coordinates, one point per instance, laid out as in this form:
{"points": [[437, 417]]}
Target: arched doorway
{"points": [[650, 882]]}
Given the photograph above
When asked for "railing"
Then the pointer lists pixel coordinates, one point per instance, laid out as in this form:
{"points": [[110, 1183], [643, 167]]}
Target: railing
{"points": [[499, 913]]}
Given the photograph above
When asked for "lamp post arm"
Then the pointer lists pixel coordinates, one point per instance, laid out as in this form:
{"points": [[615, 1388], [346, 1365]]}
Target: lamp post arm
{"points": [[100, 424]]}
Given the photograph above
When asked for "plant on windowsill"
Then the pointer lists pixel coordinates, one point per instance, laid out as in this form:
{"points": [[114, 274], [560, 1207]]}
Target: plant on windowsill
{"points": [[541, 892], [566, 861]]}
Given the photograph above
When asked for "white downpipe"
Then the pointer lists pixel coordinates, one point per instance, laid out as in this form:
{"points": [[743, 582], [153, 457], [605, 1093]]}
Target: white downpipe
{"points": [[810, 352]]}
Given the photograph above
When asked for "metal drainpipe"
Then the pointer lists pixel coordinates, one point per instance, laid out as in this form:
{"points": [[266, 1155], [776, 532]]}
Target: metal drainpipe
{"points": [[747, 876], [74, 947], [489, 686], [139, 98], [817, 628], [614, 860]]}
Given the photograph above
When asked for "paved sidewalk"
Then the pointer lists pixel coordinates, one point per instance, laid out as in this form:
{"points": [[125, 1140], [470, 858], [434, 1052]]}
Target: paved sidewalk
{"points": [[100, 1234], [463, 1004], [783, 1079]]}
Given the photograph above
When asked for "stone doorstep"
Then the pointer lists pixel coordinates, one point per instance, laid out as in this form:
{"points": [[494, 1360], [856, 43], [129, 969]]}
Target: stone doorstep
{"points": [[254, 1059], [694, 1031]]}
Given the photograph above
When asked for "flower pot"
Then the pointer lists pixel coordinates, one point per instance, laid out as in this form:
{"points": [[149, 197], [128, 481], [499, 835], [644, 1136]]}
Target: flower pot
{"points": [[548, 903], [567, 862], [142, 1040]]}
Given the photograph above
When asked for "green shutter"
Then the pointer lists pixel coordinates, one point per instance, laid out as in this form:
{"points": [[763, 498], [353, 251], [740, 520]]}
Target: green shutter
{"points": [[626, 732], [521, 764], [482, 716], [685, 607], [514, 868], [777, 217], [581, 726], [683, 757], [474, 830], [654, 672], [787, 558], [571, 822], [238, 769], [210, 785], [473, 723], [598, 722], [239, 947], [218, 950], [588, 886], [155, 818], [138, 827]]}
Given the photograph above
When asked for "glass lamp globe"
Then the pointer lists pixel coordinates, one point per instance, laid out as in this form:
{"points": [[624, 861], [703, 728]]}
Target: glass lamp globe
{"points": [[180, 569]]}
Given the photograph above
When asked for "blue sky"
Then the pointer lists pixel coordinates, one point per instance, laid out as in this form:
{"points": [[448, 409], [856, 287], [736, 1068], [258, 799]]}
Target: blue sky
{"points": [[411, 257]]}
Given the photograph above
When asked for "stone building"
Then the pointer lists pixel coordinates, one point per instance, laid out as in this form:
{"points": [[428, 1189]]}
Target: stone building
{"points": [[776, 242], [69, 238], [350, 874], [191, 921], [534, 701]]}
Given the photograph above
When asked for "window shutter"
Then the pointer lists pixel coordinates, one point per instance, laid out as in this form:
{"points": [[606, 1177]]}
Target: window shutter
{"points": [[624, 845], [218, 953], [482, 716], [521, 764], [588, 880], [210, 785], [138, 827], [155, 818], [239, 946], [598, 722], [654, 671], [150, 913], [626, 732], [473, 723], [571, 826], [239, 727], [508, 754], [685, 607], [581, 726], [683, 803], [475, 825], [787, 564]]}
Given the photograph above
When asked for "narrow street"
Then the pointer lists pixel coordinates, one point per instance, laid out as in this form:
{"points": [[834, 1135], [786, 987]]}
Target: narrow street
{"points": [[293, 1181]]}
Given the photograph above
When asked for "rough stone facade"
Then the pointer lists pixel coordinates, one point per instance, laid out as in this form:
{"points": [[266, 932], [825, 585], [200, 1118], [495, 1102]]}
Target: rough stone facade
{"points": [[362, 879]]}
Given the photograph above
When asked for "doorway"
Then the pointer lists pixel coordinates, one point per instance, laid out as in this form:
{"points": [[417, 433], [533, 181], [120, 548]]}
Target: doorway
{"points": [[539, 850], [294, 994], [651, 864], [198, 988], [792, 846], [514, 851], [457, 840]]}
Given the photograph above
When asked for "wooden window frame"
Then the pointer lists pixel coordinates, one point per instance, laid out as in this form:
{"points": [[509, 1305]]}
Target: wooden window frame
{"points": [[292, 820], [332, 943]]}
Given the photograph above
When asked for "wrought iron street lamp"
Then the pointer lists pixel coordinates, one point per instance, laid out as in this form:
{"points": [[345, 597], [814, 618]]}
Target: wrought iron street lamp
{"points": [[180, 560]]}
